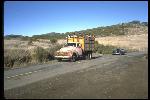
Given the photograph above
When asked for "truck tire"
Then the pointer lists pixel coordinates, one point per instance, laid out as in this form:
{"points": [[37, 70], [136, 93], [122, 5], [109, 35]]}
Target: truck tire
{"points": [[90, 56], [74, 57]]}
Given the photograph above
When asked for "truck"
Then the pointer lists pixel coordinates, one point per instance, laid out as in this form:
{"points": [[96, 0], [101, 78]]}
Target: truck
{"points": [[79, 45]]}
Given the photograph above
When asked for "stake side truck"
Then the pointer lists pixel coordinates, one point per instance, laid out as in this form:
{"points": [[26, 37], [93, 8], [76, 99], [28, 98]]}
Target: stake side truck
{"points": [[78, 45]]}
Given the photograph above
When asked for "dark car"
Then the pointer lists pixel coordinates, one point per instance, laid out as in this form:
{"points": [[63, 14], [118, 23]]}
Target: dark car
{"points": [[118, 52]]}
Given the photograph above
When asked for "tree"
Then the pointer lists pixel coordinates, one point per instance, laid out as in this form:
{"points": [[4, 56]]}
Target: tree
{"points": [[145, 23], [135, 22]]}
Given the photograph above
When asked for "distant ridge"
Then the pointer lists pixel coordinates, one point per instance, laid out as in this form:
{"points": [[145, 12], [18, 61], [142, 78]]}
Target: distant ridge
{"points": [[115, 30]]}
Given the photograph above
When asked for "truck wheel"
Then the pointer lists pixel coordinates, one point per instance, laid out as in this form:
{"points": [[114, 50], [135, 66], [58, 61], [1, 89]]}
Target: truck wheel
{"points": [[90, 55], [87, 56], [73, 59]]}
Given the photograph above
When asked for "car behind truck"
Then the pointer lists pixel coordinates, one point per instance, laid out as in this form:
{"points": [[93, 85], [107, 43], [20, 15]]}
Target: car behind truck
{"points": [[79, 45]]}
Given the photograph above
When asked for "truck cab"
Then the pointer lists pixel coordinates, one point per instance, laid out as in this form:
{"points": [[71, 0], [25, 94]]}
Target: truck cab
{"points": [[78, 47], [70, 51]]}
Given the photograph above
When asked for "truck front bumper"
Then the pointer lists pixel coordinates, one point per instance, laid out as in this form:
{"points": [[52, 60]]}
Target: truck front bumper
{"points": [[62, 57]]}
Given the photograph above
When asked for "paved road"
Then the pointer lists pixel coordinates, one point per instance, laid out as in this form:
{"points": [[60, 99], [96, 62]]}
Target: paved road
{"points": [[23, 76]]}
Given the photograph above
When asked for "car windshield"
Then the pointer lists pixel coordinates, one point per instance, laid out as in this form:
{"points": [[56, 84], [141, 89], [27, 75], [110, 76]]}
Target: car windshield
{"points": [[71, 44]]}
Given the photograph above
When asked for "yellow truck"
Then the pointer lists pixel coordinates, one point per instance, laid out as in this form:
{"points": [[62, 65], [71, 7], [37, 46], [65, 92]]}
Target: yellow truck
{"points": [[79, 45]]}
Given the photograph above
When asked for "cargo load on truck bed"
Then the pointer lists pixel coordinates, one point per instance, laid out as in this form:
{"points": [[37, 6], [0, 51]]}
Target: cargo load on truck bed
{"points": [[86, 41]]}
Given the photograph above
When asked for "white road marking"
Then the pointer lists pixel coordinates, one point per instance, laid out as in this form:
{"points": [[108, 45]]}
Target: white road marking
{"points": [[26, 73], [29, 72], [35, 71], [16, 75], [20, 74]]}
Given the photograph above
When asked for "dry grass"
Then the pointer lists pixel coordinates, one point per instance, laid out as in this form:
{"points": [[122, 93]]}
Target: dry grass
{"points": [[19, 53], [62, 41], [137, 42], [13, 57], [17, 44]]}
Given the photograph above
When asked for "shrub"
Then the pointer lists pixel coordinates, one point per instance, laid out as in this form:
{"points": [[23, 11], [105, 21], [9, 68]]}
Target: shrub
{"points": [[30, 42], [25, 38], [95, 46], [43, 55], [52, 50], [53, 40], [8, 61], [40, 55], [107, 49], [16, 57], [103, 49]]}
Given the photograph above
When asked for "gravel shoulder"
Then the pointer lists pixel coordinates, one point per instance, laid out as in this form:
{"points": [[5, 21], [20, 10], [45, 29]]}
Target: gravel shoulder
{"points": [[126, 77]]}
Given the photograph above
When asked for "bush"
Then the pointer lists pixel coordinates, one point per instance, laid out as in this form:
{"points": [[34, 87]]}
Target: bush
{"points": [[95, 46], [43, 55], [40, 55], [26, 38], [103, 49], [16, 57], [106, 49], [8, 61], [53, 40], [30, 42], [52, 50]]}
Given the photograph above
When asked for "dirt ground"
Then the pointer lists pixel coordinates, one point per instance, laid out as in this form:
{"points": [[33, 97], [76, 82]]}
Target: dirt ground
{"points": [[127, 78]]}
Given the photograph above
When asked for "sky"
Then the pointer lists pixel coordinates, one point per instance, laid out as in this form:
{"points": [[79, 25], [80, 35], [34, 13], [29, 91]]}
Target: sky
{"points": [[40, 17]]}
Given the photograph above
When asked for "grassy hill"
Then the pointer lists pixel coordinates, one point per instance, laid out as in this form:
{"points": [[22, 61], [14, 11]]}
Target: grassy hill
{"points": [[113, 30]]}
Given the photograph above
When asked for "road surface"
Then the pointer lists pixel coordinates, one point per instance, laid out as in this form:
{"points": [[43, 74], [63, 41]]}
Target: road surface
{"points": [[37, 81]]}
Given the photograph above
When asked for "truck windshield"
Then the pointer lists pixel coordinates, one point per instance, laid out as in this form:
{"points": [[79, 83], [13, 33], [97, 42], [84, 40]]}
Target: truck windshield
{"points": [[71, 44]]}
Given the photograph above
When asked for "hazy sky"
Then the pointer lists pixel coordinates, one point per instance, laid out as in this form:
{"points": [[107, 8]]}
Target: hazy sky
{"points": [[40, 17]]}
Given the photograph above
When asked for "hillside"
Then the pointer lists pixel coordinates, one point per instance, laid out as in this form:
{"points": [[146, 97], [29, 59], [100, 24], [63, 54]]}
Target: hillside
{"points": [[133, 35], [113, 30], [135, 38]]}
